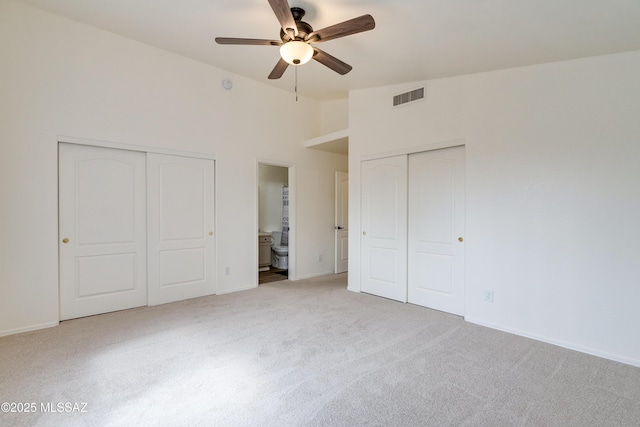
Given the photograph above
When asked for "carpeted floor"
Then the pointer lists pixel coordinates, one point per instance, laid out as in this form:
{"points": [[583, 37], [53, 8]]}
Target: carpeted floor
{"points": [[305, 353]]}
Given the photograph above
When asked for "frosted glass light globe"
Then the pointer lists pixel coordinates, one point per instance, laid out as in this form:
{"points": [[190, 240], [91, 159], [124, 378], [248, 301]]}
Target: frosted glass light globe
{"points": [[296, 52]]}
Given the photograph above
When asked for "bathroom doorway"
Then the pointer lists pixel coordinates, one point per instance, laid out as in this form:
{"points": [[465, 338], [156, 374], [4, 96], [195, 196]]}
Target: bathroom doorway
{"points": [[275, 228]]}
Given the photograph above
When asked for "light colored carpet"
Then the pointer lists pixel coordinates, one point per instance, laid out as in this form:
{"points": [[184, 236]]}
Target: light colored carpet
{"points": [[306, 353]]}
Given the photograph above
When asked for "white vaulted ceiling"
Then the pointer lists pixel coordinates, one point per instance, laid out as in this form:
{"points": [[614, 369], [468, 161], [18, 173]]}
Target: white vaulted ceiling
{"points": [[413, 39]]}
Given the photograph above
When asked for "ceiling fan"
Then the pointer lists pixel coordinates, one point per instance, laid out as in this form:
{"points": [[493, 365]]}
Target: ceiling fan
{"points": [[296, 37]]}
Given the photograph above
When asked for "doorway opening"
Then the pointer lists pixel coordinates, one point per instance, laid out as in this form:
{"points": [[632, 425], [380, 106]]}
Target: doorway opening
{"points": [[274, 222]]}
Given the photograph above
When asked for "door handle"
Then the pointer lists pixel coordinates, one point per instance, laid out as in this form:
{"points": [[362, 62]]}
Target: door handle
{"points": [[65, 240], [339, 228]]}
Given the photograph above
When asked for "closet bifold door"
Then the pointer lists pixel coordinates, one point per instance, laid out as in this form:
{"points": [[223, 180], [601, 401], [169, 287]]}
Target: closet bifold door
{"points": [[384, 227], [436, 229], [180, 220], [102, 230]]}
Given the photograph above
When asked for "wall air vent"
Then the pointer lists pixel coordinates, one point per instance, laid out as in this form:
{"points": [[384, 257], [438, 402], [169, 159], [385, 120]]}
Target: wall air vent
{"points": [[403, 98]]}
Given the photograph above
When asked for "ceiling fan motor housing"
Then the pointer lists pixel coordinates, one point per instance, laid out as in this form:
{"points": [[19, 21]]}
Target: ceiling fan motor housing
{"points": [[304, 29]]}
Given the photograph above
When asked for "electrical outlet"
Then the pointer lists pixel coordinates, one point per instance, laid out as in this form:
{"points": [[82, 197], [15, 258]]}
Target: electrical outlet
{"points": [[320, 258], [227, 271], [488, 296]]}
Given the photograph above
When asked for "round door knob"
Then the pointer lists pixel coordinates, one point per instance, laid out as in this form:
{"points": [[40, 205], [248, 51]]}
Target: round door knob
{"points": [[364, 233], [211, 233], [460, 239], [65, 240]]}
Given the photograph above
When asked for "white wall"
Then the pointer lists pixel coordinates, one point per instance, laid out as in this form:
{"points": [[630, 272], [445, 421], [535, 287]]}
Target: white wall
{"points": [[552, 193], [334, 116], [271, 179], [60, 77], [318, 219]]}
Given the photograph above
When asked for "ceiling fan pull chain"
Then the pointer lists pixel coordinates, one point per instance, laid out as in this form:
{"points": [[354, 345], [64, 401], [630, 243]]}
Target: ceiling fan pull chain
{"points": [[296, 83]]}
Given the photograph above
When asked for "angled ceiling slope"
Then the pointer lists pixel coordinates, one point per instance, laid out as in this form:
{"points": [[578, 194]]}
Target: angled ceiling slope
{"points": [[413, 39]]}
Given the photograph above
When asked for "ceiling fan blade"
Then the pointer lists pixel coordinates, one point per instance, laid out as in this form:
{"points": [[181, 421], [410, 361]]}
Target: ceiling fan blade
{"points": [[331, 61], [257, 42], [285, 17], [278, 70], [346, 28]]}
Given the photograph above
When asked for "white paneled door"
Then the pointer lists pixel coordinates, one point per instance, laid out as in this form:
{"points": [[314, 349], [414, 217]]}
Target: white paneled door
{"points": [[135, 229], [180, 200], [342, 222], [102, 230], [384, 227], [436, 230]]}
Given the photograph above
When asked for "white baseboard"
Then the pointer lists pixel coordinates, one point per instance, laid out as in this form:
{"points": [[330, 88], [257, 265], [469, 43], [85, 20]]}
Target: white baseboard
{"points": [[564, 344], [28, 328]]}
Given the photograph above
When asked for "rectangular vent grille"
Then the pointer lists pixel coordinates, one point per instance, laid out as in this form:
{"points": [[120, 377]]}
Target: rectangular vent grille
{"points": [[403, 98]]}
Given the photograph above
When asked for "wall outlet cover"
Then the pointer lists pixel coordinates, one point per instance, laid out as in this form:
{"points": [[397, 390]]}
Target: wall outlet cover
{"points": [[488, 296]]}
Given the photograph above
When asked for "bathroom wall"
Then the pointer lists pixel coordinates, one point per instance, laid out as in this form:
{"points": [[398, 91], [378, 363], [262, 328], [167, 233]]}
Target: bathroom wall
{"points": [[270, 182]]}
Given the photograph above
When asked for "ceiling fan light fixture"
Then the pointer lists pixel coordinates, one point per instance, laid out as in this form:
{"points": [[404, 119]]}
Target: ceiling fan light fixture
{"points": [[296, 52]]}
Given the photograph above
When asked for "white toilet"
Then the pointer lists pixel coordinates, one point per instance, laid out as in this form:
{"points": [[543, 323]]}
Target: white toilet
{"points": [[279, 253]]}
